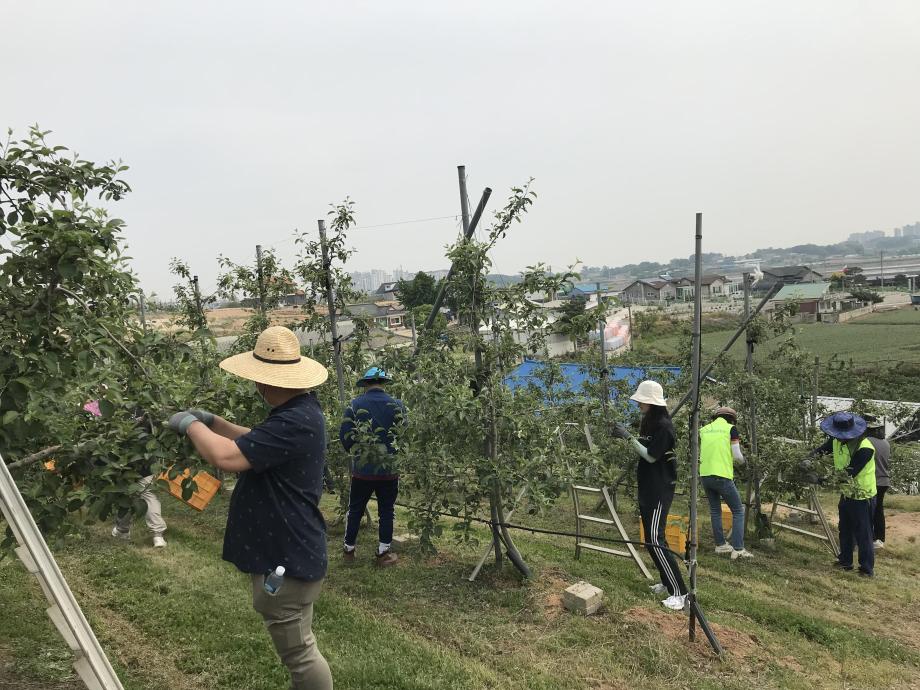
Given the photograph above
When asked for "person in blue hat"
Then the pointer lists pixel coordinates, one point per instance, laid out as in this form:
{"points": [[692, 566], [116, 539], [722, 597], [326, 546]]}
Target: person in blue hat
{"points": [[854, 454], [369, 432]]}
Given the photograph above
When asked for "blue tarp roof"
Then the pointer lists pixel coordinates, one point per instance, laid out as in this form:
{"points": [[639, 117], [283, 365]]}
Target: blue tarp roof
{"points": [[575, 376]]}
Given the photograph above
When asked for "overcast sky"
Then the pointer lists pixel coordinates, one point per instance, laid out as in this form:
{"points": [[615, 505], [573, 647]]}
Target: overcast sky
{"points": [[784, 122]]}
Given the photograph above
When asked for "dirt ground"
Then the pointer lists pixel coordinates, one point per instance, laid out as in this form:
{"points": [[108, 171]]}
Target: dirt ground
{"points": [[227, 321], [902, 528]]}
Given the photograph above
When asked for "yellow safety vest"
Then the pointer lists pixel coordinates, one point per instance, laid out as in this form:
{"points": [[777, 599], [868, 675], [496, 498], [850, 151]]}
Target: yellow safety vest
{"points": [[716, 450], [862, 486]]}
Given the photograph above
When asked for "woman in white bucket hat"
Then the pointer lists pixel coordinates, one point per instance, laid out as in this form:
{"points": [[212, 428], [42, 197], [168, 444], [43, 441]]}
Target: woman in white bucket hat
{"points": [[656, 477], [274, 518]]}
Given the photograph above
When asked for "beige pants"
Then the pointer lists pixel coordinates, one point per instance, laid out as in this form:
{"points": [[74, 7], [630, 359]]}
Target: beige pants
{"points": [[289, 618], [154, 515]]}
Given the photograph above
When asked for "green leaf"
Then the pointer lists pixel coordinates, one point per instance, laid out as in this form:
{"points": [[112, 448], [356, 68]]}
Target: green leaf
{"points": [[12, 218], [106, 408]]}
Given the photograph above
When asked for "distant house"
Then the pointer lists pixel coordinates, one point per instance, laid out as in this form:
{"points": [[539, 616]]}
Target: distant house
{"points": [[385, 314], [816, 299], [589, 290], [713, 285], [386, 291], [649, 291], [786, 275]]}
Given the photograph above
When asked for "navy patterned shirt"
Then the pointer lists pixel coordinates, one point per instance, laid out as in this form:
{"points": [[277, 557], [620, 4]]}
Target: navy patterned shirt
{"points": [[274, 516]]}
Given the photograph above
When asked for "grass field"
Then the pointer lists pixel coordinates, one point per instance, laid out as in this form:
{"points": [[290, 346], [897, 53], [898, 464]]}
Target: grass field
{"points": [[893, 335], [180, 618]]}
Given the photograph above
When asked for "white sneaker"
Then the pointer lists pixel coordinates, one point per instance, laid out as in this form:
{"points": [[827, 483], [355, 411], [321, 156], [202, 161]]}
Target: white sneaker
{"points": [[675, 602], [658, 589], [878, 544], [118, 534], [741, 554], [158, 542], [724, 548]]}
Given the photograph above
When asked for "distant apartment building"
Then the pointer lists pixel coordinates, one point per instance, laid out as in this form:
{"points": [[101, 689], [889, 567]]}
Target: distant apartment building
{"points": [[865, 237]]}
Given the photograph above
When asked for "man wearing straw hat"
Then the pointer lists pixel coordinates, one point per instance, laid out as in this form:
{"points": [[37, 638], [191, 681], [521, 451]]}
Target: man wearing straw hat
{"points": [[853, 454], [274, 517]]}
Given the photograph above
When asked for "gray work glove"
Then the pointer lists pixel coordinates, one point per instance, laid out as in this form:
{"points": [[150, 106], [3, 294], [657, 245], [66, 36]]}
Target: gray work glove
{"points": [[620, 431], [181, 421], [203, 416]]}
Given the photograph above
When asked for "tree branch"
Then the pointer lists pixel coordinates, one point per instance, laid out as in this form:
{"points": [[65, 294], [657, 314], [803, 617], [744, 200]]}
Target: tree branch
{"points": [[35, 457], [107, 331]]}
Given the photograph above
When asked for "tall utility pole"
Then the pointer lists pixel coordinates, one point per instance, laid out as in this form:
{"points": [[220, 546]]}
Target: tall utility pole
{"points": [[261, 280], [330, 303]]}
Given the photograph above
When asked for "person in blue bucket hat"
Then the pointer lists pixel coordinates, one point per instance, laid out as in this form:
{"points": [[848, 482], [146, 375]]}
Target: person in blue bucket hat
{"points": [[369, 432], [854, 454]]}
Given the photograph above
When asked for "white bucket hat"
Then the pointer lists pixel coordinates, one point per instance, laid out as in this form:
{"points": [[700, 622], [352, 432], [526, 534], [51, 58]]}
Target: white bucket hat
{"points": [[651, 393], [276, 361]]}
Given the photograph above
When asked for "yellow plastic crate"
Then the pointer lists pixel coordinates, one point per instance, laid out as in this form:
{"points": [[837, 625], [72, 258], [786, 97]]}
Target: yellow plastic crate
{"points": [[207, 487], [726, 519], [675, 532]]}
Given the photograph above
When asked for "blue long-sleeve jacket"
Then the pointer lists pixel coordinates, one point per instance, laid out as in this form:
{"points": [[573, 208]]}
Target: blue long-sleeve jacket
{"points": [[384, 415]]}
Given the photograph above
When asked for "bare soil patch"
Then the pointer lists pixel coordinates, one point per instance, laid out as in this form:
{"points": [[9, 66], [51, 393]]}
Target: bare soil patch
{"points": [[674, 626], [902, 528]]}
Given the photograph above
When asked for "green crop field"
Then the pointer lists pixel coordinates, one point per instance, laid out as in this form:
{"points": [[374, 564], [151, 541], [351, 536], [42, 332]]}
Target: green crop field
{"points": [[893, 335], [180, 618]]}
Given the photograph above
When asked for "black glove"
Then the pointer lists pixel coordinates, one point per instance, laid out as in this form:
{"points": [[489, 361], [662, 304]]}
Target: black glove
{"points": [[620, 431]]}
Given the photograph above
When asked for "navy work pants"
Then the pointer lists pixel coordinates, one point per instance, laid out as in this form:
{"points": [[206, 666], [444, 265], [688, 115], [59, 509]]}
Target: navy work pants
{"points": [[856, 530], [386, 491]]}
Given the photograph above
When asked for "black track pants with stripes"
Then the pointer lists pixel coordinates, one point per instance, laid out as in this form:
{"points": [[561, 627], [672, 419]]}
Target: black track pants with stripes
{"points": [[654, 519]]}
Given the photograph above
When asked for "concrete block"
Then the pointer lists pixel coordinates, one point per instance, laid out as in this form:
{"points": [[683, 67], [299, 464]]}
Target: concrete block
{"points": [[401, 541], [583, 598]]}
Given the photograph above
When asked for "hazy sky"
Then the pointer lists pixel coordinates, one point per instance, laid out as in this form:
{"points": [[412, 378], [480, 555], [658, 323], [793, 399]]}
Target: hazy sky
{"points": [[784, 122]]}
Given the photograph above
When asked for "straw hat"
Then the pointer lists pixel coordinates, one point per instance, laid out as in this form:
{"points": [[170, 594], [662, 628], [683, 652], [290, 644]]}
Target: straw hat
{"points": [[651, 393], [276, 361]]}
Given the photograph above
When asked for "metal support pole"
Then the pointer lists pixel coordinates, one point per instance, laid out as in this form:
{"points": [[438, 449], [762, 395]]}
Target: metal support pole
{"points": [[814, 393], [728, 345], [143, 306], [605, 379], [439, 299], [195, 289], [261, 280], [330, 303], [464, 198], [753, 487], [695, 416]]}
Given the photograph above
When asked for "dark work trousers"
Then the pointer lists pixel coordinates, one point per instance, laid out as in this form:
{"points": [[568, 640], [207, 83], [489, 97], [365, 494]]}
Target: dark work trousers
{"points": [[856, 529], [878, 516], [654, 520], [386, 491]]}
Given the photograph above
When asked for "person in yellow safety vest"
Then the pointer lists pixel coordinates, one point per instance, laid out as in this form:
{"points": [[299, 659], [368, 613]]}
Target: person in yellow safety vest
{"points": [[720, 448], [854, 454]]}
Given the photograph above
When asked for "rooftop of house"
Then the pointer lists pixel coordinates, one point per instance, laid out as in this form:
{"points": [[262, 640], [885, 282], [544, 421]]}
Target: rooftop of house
{"points": [[788, 271], [803, 291]]}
